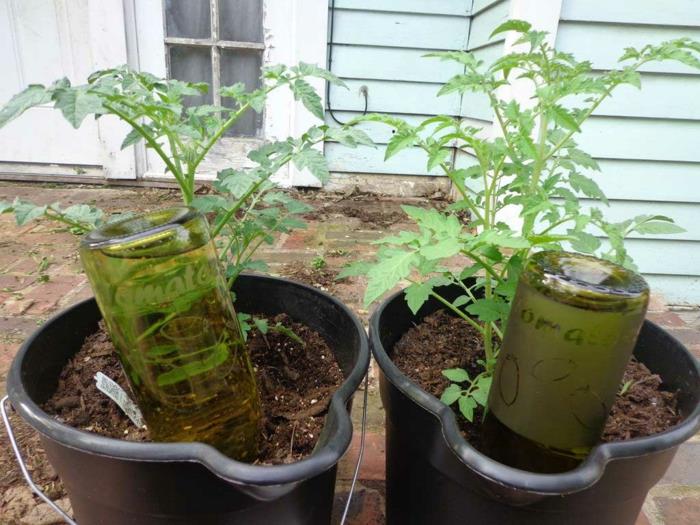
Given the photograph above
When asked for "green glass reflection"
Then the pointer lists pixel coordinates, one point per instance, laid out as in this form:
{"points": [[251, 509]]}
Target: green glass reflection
{"points": [[161, 292], [572, 328]]}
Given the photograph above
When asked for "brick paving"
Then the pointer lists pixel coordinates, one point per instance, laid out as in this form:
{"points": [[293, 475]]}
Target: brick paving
{"points": [[32, 290]]}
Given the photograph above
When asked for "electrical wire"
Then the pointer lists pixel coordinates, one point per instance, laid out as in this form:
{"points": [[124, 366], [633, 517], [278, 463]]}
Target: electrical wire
{"points": [[363, 90]]}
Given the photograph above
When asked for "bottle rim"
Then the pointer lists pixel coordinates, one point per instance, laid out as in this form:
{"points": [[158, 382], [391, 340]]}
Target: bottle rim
{"points": [[607, 286], [139, 227]]}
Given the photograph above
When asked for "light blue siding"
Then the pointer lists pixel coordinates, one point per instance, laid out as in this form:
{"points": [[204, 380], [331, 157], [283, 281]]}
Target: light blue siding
{"points": [[647, 141], [380, 44]]}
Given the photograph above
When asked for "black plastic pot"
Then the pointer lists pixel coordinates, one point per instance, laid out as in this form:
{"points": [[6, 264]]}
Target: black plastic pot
{"points": [[434, 476], [117, 482]]}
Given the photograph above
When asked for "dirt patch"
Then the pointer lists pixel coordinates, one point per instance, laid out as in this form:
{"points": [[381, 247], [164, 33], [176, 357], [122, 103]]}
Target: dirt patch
{"points": [[442, 341], [322, 276], [296, 383]]}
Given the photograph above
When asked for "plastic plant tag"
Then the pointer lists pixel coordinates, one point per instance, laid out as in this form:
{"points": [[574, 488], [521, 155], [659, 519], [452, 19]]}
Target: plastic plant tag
{"points": [[160, 289], [116, 393], [571, 330]]}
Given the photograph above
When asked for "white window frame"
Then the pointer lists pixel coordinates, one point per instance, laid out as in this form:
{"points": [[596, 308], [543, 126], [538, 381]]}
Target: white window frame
{"points": [[294, 31]]}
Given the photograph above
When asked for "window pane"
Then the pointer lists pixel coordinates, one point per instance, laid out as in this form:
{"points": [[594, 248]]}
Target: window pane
{"points": [[187, 18], [240, 20], [242, 65], [192, 64]]}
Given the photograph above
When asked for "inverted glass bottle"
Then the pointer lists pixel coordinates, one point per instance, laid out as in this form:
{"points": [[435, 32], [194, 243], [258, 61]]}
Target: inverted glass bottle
{"points": [[572, 328], [158, 284]]}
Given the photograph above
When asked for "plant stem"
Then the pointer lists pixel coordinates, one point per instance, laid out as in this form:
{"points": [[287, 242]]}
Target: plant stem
{"points": [[459, 312]]}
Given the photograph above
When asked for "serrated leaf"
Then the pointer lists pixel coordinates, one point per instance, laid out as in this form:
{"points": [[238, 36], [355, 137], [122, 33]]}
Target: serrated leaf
{"points": [[417, 294], [33, 95], [131, 138], [481, 392], [402, 139], [520, 26], [505, 239], [394, 266], [587, 186], [658, 224], [354, 269], [488, 310], [313, 70], [261, 325], [563, 118], [307, 94], [456, 375], [451, 394], [584, 242], [467, 404], [26, 211], [314, 161], [76, 104], [236, 182], [442, 249]]}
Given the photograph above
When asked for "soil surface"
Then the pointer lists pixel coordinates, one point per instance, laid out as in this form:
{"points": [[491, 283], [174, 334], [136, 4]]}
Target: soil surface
{"points": [[442, 341], [323, 278], [296, 383]]}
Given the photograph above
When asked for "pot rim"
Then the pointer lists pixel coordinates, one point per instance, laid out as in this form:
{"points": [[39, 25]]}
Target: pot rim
{"points": [[230, 470], [580, 478]]}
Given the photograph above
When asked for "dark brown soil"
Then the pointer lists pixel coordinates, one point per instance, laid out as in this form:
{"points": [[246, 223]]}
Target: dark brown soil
{"points": [[441, 341], [296, 383]]}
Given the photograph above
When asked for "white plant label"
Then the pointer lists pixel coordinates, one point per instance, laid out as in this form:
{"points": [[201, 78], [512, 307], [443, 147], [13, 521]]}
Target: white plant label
{"points": [[116, 393]]}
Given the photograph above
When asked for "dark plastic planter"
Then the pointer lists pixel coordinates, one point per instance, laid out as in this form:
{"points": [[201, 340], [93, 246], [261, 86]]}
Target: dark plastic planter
{"points": [[117, 482], [435, 477]]}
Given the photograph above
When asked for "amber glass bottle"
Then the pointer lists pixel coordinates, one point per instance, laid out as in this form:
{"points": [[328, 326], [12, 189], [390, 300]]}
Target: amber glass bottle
{"points": [[572, 328], [159, 287]]}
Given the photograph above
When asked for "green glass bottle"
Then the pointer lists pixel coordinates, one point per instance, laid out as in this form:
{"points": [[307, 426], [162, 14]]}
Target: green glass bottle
{"points": [[158, 284], [571, 330]]}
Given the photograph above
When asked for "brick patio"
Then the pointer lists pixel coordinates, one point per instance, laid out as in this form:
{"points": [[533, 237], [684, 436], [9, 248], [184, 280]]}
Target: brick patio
{"points": [[30, 291]]}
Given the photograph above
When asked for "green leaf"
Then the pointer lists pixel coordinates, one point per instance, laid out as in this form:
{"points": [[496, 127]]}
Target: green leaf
{"points": [[314, 161], [456, 375], [451, 394], [587, 186], [351, 137], [76, 104], [442, 249], [417, 294], [209, 203], [313, 70], [467, 404], [32, 96], [481, 393], [26, 211], [519, 26], [307, 94], [402, 139], [355, 269], [236, 182], [261, 325], [393, 266], [563, 118], [584, 242], [488, 310], [504, 239], [657, 224], [133, 137]]}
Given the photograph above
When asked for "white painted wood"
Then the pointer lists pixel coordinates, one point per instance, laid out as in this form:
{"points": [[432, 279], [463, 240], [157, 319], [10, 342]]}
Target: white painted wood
{"points": [[43, 40], [603, 44], [664, 257], [440, 7], [674, 12], [108, 47], [294, 31], [676, 289], [399, 30], [364, 159]]}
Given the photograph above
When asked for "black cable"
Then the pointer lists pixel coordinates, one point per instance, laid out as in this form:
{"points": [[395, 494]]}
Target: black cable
{"points": [[329, 68]]}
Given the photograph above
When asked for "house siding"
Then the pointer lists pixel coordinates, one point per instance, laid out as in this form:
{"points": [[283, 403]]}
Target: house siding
{"points": [[646, 141]]}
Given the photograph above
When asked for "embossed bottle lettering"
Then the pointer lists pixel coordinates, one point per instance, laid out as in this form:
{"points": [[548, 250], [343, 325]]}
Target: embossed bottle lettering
{"points": [[157, 281], [571, 330]]}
